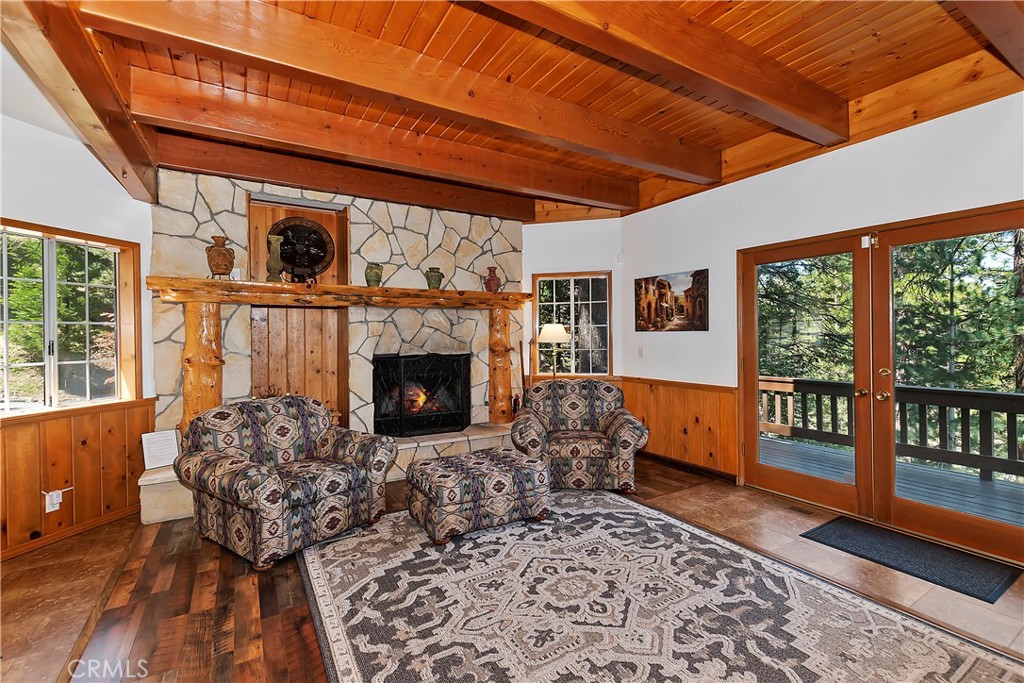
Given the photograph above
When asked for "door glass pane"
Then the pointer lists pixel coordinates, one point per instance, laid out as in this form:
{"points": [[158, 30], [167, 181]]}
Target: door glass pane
{"points": [[805, 363], [958, 311]]}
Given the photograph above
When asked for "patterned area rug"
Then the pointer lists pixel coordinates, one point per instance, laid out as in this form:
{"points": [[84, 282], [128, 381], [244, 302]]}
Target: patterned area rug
{"points": [[606, 590]]}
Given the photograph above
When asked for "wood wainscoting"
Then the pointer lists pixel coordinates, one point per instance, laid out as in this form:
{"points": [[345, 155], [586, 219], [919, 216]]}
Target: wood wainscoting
{"points": [[95, 451], [689, 423]]}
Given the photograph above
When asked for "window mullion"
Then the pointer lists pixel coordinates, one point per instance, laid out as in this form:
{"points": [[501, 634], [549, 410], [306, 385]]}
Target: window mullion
{"points": [[572, 325], [88, 329], [6, 322], [50, 322]]}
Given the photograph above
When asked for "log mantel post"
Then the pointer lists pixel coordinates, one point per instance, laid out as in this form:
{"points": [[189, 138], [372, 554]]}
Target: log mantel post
{"points": [[499, 367], [201, 361]]}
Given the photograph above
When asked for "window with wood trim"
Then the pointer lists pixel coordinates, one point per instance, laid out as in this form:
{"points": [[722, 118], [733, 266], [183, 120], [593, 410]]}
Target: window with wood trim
{"points": [[581, 302], [61, 334]]}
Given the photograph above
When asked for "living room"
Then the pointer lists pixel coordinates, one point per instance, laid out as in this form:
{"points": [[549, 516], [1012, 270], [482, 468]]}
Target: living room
{"points": [[512, 341]]}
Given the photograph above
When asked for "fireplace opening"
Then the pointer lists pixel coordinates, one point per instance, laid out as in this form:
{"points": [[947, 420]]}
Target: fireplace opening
{"points": [[421, 394]]}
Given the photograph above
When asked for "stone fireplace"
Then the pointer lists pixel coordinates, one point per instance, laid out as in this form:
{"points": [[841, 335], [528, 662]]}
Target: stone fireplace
{"points": [[405, 239], [421, 394]]}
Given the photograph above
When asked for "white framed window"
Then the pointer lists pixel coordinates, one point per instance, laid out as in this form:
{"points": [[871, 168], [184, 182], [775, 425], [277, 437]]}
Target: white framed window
{"points": [[59, 330], [581, 302]]}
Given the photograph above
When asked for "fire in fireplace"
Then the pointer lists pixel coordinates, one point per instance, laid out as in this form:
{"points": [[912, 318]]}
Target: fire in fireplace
{"points": [[420, 394]]}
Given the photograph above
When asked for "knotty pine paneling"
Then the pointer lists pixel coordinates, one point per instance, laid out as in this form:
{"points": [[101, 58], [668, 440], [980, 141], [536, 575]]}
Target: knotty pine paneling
{"points": [[691, 423], [114, 461], [58, 472], [96, 451], [138, 421], [85, 435], [22, 485]]}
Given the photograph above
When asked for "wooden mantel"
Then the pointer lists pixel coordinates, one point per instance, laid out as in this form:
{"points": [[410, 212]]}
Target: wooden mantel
{"points": [[183, 290], [202, 360]]}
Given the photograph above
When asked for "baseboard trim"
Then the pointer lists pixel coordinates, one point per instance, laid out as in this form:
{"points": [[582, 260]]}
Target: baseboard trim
{"points": [[689, 467]]}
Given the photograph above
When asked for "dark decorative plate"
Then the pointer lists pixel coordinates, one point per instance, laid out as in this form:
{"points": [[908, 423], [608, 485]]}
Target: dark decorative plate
{"points": [[307, 248]]}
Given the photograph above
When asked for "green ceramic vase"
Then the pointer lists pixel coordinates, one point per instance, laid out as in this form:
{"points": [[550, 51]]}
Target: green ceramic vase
{"points": [[434, 277]]}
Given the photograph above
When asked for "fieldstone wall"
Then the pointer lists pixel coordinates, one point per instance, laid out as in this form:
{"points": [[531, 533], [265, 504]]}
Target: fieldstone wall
{"points": [[406, 239]]}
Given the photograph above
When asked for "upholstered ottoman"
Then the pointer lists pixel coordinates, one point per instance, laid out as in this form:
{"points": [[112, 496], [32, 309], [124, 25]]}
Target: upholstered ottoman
{"points": [[461, 493]]}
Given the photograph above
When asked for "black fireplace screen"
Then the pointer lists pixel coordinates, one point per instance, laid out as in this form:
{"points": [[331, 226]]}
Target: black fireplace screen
{"points": [[422, 394]]}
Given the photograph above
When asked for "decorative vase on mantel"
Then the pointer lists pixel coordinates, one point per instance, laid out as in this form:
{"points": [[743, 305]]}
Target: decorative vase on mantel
{"points": [[492, 283], [373, 273], [274, 263], [434, 277], [220, 258]]}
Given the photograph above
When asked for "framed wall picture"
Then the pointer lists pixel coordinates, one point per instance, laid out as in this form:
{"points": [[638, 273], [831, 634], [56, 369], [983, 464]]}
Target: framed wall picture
{"points": [[677, 302]]}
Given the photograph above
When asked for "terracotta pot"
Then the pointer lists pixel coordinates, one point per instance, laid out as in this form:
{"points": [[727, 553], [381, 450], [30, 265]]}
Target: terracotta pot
{"points": [[220, 258], [274, 263], [492, 283], [373, 274], [434, 277]]}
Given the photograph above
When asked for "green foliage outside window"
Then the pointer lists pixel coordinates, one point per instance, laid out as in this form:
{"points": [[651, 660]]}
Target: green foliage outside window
{"points": [[581, 304], [958, 311], [82, 364]]}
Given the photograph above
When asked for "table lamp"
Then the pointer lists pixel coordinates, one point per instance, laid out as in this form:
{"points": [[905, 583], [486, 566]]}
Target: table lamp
{"points": [[553, 333]]}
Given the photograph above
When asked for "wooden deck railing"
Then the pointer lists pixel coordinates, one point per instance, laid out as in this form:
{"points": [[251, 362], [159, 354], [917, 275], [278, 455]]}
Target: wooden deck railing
{"points": [[976, 429]]}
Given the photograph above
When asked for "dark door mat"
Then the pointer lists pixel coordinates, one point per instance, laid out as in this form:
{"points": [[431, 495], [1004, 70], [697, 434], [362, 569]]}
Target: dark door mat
{"points": [[957, 570]]}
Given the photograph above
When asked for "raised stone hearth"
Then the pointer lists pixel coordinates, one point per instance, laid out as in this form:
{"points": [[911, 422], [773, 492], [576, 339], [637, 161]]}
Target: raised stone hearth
{"points": [[162, 497]]}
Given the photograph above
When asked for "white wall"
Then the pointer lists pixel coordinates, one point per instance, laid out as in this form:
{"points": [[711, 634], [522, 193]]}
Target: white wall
{"points": [[577, 247], [51, 179], [969, 159]]}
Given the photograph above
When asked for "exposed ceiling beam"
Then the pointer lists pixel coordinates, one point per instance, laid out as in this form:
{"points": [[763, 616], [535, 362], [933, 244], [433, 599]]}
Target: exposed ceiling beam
{"points": [[658, 38], [967, 82], [262, 36], [54, 45], [216, 158], [210, 110], [1002, 23]]}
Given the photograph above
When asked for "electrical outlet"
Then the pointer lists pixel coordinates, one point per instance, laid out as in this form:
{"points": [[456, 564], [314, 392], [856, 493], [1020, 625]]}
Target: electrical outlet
{"points": [[53, 500], [639, 352]]}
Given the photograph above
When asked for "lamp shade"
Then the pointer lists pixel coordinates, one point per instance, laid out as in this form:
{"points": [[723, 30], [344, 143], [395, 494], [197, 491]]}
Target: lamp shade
{"points": [[553, 333]]}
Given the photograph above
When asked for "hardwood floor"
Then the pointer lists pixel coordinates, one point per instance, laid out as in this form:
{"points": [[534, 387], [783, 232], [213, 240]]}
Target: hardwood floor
{"points": [[192, 611]]}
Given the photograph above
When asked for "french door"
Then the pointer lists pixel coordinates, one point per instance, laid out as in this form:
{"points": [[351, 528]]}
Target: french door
{"points": [[883, 375]]}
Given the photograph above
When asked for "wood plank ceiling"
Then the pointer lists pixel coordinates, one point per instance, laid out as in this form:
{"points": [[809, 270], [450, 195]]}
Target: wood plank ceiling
{"points": [[550, 107]]}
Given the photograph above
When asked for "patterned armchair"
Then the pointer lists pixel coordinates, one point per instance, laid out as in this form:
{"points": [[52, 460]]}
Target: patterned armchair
{"points": [[272, 476], [580, 426]]}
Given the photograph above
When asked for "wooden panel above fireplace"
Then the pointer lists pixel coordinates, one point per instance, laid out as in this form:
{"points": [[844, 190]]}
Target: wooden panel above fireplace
{"points": [[295, 350]]}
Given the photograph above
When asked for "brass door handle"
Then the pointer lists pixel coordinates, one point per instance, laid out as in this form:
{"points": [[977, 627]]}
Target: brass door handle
{"points": [[861, 392], [883, 395]]}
